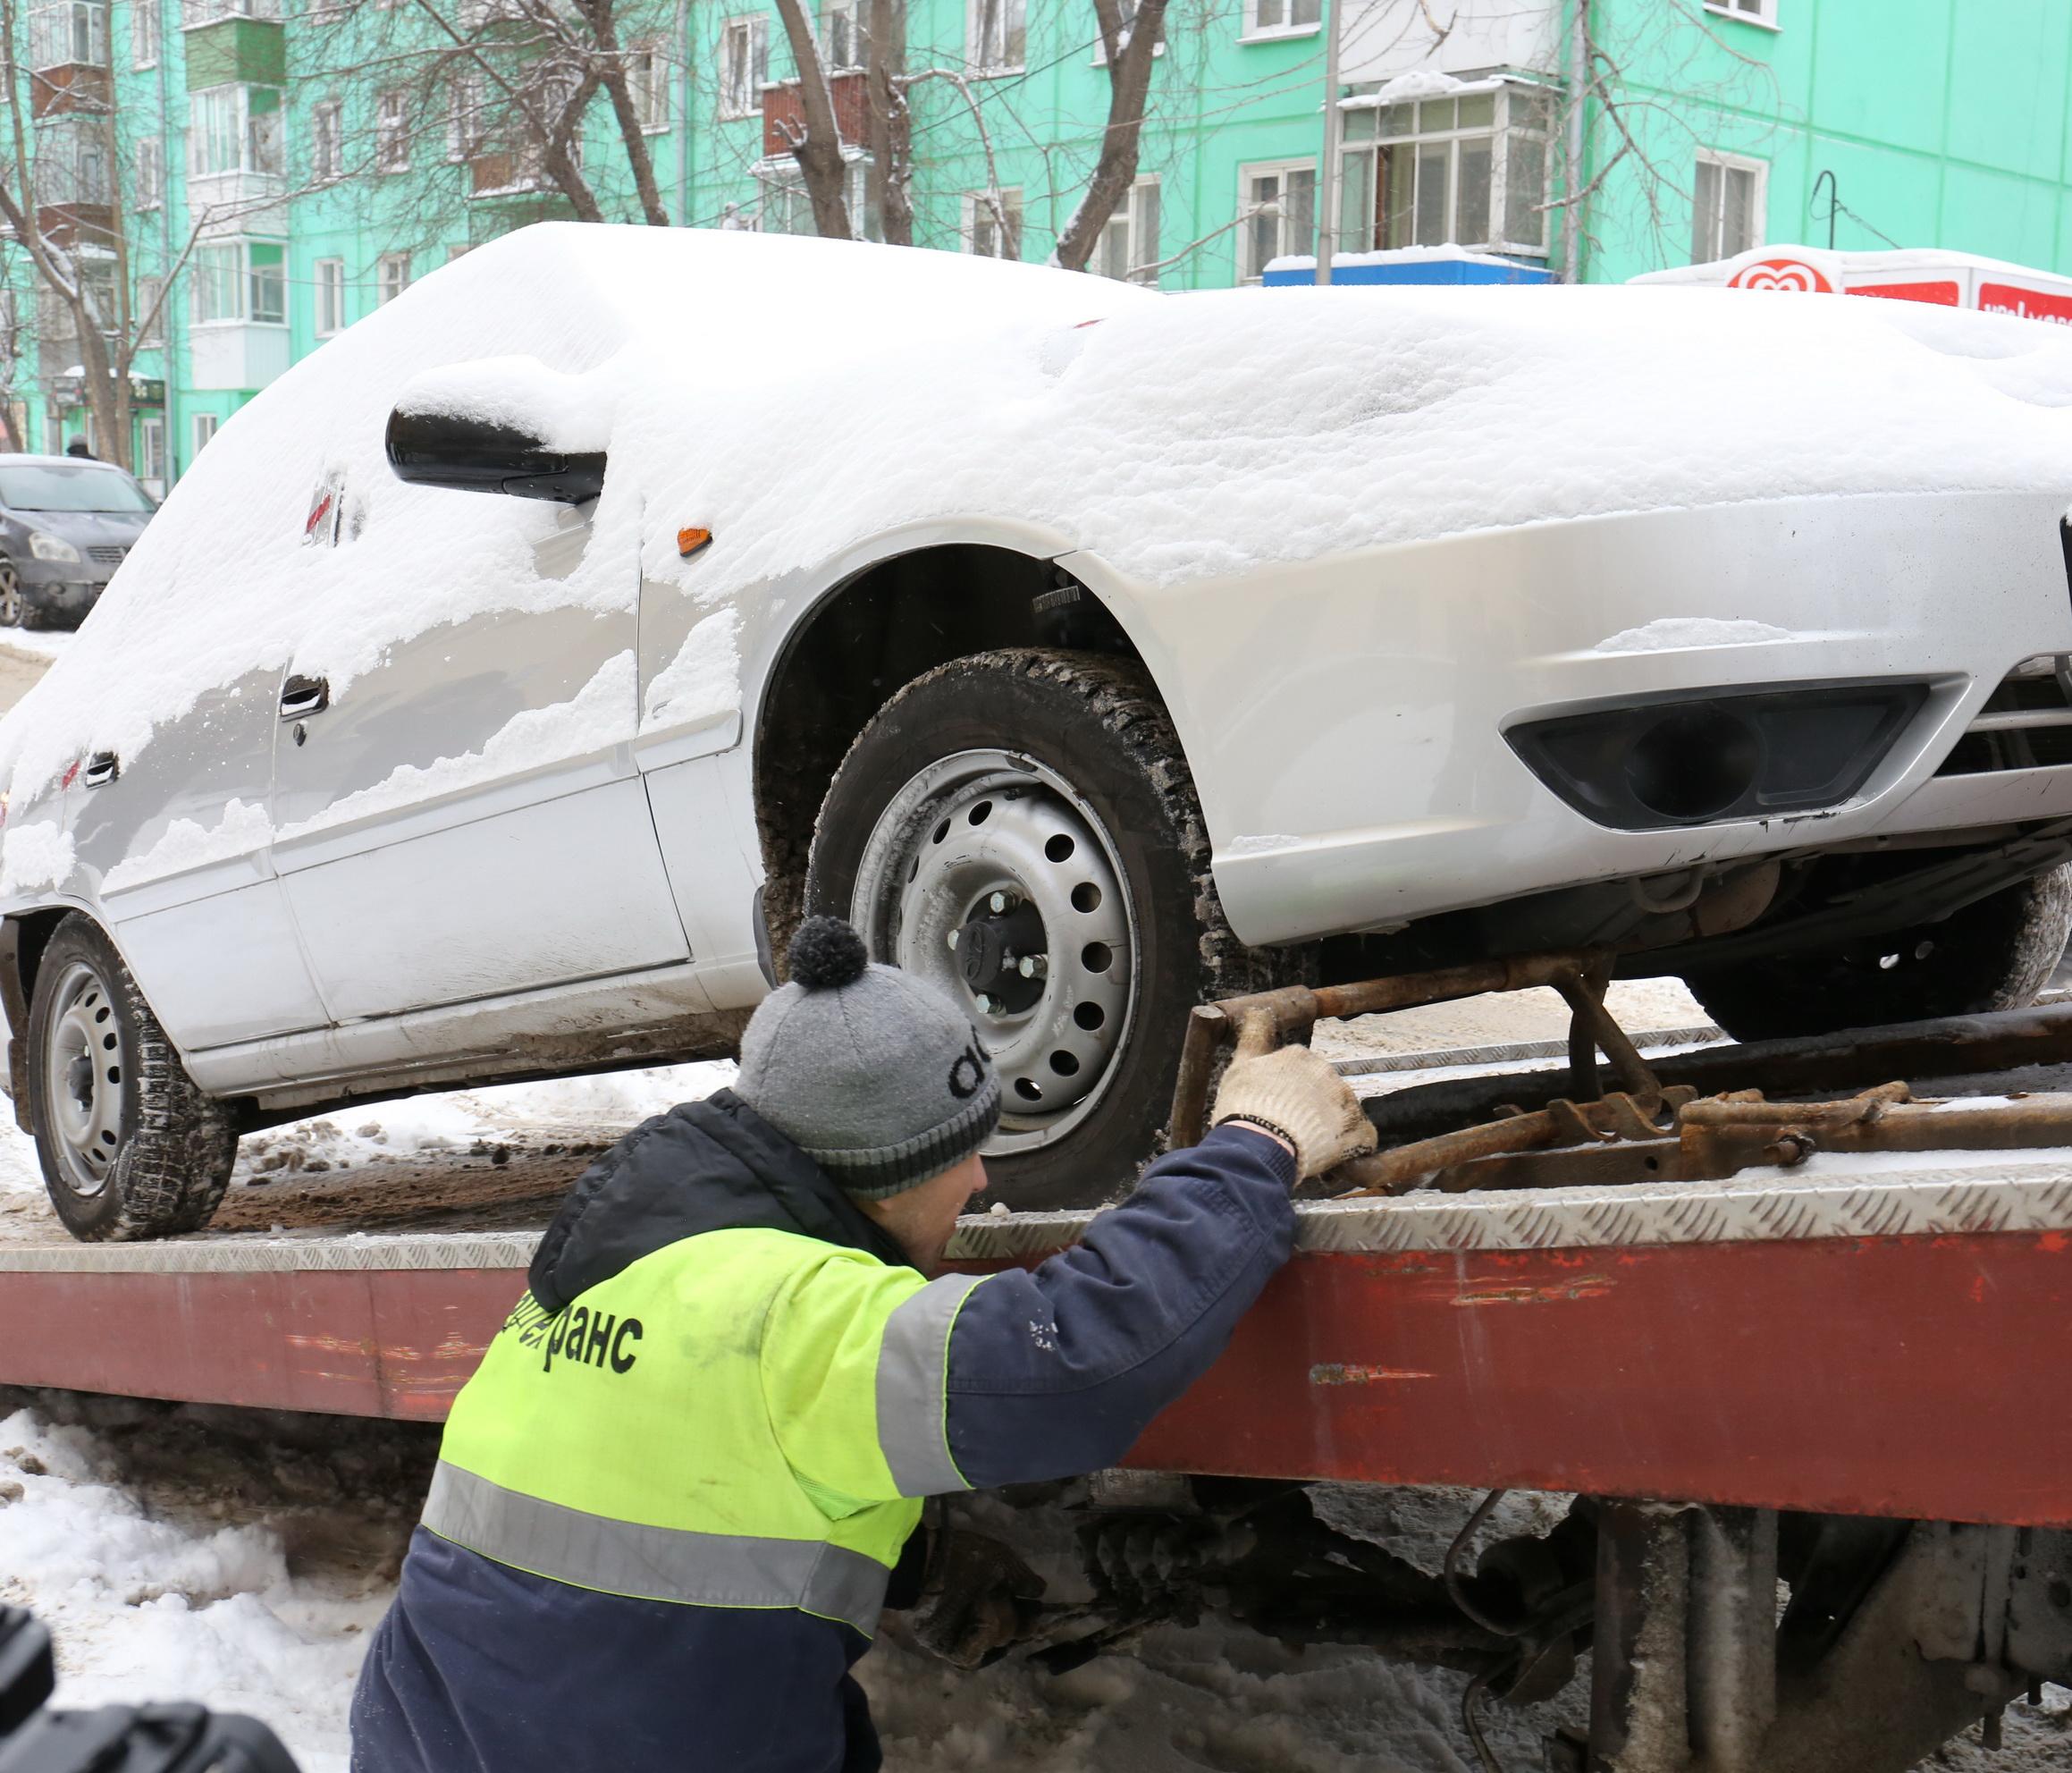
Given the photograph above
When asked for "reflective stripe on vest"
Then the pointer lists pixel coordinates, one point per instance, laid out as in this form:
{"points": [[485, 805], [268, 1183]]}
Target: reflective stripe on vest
{"points": [[912, 1377], [650, 1563]]}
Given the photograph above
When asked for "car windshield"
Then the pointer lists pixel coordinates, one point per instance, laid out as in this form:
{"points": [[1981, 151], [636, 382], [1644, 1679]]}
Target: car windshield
{"points": [[54, 485]]}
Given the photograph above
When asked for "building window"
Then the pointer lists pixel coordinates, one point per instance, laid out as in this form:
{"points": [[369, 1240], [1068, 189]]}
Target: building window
{"points": [[785, 209], [205, 425], [744, 65], [998, 35], [647, 84], [151, 450], [1280, 213], [391, 133], [842, 33], [150, 172], [1469, 170], [330, 297], [267, 274], [148, 313], [464, 118], [1757, 12], [145, 33], [216, 283], [993, 225], [1281, 18], [237, 280], [327, 142], [72, 160], [391, 276], [234, 129], [1726, 207], [1128, 247], [68, 31], [193, 12]]}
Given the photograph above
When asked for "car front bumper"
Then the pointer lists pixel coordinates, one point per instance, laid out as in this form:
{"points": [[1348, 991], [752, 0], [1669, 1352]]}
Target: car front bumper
{"points": [[1346, 720]]}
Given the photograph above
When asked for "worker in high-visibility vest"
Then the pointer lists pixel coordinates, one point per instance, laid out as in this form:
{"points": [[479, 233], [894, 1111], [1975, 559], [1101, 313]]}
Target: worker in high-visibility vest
{"points": [[667, 1505]]}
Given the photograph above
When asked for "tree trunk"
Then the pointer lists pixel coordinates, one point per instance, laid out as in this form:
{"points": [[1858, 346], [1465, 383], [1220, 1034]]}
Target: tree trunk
{"points": [[558, 159], [1129, 74], [818, 151], [890, 177], [612, 74]]}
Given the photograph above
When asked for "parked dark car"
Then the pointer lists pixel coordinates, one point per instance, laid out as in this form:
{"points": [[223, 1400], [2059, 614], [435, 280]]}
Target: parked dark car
{"points": [[65, 526]]}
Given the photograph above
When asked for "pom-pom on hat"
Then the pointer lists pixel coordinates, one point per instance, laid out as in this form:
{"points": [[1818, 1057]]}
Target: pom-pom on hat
{"points": [[875, 1075]]}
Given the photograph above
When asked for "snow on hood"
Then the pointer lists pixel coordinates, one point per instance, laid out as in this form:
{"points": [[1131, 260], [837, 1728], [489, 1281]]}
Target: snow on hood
{"points": [[798, 396]]}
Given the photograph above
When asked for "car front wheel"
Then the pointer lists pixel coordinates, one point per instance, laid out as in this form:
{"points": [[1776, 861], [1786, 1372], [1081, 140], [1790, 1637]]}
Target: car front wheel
{"points": [[130, 1146], [13, 609], [1020, 829]]}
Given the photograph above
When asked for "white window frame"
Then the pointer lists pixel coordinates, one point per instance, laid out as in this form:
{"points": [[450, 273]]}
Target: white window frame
{"points": [[1763, 12], [779, 185], [55, 28], [647, 84], [1248, 272], [392, 277], [150, 328], [151, 448], [979, 223], [1135, 217], [1759, 204], [327, 278], [150, 172], [841, 28], [393, 132], [1256, 32], [231, 118], [195, 13], [327, 140], [743, 70], [217, 292], [1012, 22], [1512, 125], [202, 427], [147, 33], [463, 118]]}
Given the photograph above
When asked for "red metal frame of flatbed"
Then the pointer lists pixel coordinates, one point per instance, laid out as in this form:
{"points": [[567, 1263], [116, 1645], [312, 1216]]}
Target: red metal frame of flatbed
{"points": [[1909, 1370]]}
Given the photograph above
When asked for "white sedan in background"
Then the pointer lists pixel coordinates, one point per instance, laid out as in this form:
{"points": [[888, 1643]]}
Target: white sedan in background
{"points": [[500, 688]]}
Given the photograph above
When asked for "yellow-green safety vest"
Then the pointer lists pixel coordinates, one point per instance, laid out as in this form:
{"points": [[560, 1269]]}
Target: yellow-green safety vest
{"points": [[742, 1418]]}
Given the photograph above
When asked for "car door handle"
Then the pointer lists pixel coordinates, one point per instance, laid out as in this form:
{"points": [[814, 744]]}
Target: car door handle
{"points": [[101, 767], [304, 695]]}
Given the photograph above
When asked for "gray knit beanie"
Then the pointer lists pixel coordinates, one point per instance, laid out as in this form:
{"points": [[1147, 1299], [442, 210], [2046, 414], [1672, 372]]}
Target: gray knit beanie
{"points": [[870, 1072]]}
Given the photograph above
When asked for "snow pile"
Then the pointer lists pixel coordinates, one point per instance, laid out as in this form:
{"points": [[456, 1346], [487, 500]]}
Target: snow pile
{"points": [[1177, 440], [143, 1608], [562, 412]]}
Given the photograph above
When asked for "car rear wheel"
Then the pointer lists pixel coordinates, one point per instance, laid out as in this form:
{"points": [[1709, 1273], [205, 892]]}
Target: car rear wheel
{"points": [[130, 1146], [1996, 953], [1020, 829]]}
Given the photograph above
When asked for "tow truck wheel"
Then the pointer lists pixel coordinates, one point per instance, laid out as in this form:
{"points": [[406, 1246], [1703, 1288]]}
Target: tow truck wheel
{"points": [[1996, 953], [130, 1147], [1020, 829]]}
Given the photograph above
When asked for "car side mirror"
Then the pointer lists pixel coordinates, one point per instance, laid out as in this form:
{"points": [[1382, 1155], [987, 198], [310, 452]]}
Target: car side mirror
{"points": [[508, 426]]}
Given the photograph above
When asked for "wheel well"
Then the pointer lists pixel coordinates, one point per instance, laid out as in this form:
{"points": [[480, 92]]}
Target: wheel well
{"points": [[23, 940], [869, 637]]}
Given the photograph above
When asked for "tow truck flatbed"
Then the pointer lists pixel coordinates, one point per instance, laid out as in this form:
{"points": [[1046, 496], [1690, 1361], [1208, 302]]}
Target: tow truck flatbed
{"points": [[1865, 1336]]}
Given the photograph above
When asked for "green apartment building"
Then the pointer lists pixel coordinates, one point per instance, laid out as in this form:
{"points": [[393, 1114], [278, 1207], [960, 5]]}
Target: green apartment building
{"points": [[277, 168]]}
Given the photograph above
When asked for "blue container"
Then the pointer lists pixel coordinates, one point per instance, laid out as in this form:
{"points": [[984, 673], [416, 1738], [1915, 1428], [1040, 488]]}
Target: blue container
{"points": [[1379, 268]]}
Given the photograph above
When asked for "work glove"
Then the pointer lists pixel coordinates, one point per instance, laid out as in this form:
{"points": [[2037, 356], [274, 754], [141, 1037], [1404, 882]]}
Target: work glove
{"points": [[1299, 1096]]}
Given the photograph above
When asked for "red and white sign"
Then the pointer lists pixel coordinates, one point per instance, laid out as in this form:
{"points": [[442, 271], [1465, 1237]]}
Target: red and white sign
{"points": [[1940, 278], [1794, 275]]}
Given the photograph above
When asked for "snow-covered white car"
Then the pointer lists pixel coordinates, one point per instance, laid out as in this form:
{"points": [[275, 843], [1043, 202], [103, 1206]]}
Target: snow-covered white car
{"points": [[499, 687]]}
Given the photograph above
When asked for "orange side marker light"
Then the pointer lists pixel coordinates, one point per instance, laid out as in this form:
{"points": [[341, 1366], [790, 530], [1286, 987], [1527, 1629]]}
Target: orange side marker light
{"points": [[691, 541]]}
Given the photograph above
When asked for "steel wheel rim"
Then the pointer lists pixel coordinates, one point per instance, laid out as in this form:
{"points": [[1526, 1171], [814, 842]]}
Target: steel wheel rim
{"points": [[82, 1060], [985, 822], [10, 594]]}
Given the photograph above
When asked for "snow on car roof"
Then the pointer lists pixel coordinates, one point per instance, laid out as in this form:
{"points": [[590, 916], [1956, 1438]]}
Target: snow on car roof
{"points": [[797, 397]]}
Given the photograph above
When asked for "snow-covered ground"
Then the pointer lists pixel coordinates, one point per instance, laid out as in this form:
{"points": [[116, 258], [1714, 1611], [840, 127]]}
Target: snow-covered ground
{"points": [[243, 1560]]}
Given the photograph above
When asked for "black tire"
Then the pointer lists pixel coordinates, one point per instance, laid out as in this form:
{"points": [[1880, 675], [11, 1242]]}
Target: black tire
{"points": [[1996, 953], [169, 1147], [13, 600], [1096, 724]]}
